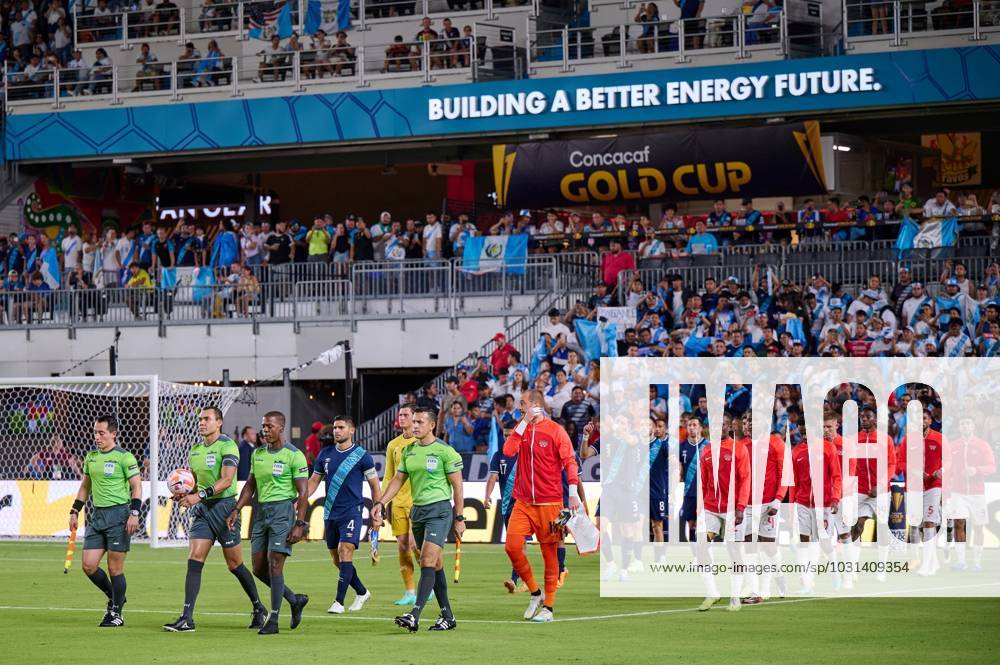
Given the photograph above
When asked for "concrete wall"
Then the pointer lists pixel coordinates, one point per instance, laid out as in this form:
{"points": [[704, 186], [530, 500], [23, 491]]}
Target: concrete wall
{"points": [[199, 353]]}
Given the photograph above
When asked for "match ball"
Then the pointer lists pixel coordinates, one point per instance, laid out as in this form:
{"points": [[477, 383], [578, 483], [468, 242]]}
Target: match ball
{"points": [[180, 481]]}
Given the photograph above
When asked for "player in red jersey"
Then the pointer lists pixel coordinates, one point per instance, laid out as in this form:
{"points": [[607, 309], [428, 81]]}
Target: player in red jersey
{"points": [[543, 451], [968, 462], [718, 496], [813, 529], [873, 491], [931, 483], [762, 517], [837, 527]]}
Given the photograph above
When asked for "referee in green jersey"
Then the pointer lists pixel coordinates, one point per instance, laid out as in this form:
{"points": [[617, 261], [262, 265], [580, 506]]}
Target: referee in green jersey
{"points": [[213, 462], [434, 470], [278, 476], [111, 479]]}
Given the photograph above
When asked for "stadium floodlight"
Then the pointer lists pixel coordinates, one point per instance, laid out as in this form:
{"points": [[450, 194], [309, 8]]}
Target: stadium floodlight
{"points": [[46, 428]]}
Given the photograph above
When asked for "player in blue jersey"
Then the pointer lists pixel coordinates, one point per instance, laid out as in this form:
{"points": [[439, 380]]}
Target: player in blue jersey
{"points": [[689, 453], [345, 467], [502, 470], [659, 459]]}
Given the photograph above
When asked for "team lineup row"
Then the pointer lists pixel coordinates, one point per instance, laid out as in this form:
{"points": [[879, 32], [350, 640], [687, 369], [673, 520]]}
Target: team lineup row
{"points": [[423, 482]]}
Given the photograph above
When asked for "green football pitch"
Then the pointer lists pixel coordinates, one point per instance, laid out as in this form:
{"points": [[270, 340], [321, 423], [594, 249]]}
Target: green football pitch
{"points": [[48, 617]]}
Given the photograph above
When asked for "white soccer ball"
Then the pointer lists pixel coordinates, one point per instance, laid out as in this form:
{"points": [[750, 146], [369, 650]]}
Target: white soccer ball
{"points": [[180, 481]]}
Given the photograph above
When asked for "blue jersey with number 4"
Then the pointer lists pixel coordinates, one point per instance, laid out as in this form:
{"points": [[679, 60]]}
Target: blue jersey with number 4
{"points": [[349, 485]]}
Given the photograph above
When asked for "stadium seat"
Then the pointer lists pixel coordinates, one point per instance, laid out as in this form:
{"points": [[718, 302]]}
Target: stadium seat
{"points": [[706, 260], [652, 264], [799, 257]]}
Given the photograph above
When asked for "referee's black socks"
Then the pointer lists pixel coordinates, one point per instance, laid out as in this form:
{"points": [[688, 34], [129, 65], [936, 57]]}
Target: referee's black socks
{"points": [[101, 581], [278, 592], [441, 591], [287, 593], [249, 588], [117, 592], [428, 579], [192, 585]]}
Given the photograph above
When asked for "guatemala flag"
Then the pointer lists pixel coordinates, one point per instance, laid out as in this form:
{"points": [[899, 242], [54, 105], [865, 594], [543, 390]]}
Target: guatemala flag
{"points": [[168, 278], [695, 346], [496, 438], [930, 234], [588, 338], [330, 21], [491, 253], [50, 268]]}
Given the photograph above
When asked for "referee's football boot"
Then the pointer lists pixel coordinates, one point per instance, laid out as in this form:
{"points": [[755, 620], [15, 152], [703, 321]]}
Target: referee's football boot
{"points": [[301, 600], [258, 619], [408, 621], [113, 620], [444, 623], [182, 625]]}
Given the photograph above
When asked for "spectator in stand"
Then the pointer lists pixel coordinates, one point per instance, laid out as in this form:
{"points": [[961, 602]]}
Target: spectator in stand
{"points": [[13, 298], [500, 357], [429, 398], [426, 34], [412, 241], [148, 68], [702, 242], [460, 232], [312, 443], [459, 429], [908, 205], [939, 206], [837, 215], [225, 247], [362, 249], [342, 53], [613, 262], [247, 444], [432, 237], [54, 462], [719, 215], [577, 410], [652, 247], [396, 55], [318, 241], [140, 288], [808, 222], [649, 16], [101, 71], [468, 385], [452, 394], [72, 250], [451, 42]]}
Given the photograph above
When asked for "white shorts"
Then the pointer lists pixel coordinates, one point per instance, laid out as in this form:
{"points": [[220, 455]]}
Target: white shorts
{"points": [[832, 524], [767, 525], [716, 523], [971, 507], [876, 507], [932, 506]]}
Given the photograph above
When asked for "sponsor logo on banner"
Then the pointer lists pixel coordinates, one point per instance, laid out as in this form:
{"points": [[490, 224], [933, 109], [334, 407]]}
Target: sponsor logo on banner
{"points": [[690, 164]]}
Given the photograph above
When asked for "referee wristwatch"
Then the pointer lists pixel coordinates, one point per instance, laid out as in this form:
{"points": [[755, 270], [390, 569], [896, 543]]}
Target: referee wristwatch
{"points": [[302, 524], [459, 518]]}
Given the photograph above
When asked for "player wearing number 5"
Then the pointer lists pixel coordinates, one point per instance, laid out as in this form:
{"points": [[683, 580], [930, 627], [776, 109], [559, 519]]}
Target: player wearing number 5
{"points": [[111, 478], [345, 466], [213, 461], [543, 452], [434, 470], [278, 476]]}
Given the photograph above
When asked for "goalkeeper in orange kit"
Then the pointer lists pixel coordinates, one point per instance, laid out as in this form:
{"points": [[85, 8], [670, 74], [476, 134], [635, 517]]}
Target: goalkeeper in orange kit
{"points": [[544, 451]]}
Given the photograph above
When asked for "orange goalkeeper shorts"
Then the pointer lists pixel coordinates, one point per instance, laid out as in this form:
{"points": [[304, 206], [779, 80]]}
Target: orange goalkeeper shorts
{"points": [[534, 519]]}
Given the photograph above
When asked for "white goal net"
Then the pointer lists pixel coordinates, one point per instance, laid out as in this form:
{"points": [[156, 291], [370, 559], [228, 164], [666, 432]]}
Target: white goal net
{"points": [[46, 429]]}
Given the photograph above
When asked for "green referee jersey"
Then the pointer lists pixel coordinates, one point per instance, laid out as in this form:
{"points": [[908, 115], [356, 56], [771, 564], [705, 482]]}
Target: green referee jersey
{"points": [[276, 472], [109, 474], [206, 462], [427, 467]]}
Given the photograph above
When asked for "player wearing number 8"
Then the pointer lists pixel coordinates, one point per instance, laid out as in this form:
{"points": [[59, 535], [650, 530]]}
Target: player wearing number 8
{"points": [[111, 479], [214, 462], [278, 477], [345, 466], [434, 470]]}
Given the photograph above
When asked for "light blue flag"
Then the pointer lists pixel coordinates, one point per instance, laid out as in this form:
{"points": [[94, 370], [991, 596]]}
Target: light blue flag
{"points": [[168, 278], [588, 338], [540, 353], [202, 284], [50, 267], [610, 346], [492, 253], [794, 328], [695, 346], [928, 235], [496, 438]]}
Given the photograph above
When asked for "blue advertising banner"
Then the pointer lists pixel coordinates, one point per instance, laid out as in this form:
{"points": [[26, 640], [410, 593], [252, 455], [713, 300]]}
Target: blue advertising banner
{"points": [[812, 85]]}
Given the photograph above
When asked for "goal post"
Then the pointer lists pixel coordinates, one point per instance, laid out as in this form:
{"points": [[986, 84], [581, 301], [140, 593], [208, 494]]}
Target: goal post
{"points": [[46, 429]]}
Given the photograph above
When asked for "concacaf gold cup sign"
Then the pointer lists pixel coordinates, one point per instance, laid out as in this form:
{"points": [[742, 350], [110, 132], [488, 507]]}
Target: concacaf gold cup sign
{"points": [[762, 161]]}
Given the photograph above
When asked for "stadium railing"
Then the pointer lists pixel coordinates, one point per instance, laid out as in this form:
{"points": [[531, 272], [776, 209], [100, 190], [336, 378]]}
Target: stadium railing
{"points": [[878, 22], [375, 433], [302, 292], [850, 264]]}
